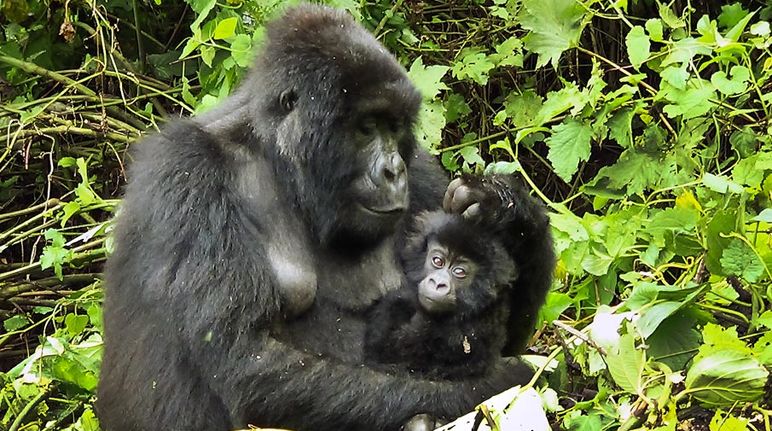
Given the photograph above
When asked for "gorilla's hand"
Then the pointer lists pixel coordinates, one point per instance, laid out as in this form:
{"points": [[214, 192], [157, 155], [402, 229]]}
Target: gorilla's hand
{"points": [[485, 199]]}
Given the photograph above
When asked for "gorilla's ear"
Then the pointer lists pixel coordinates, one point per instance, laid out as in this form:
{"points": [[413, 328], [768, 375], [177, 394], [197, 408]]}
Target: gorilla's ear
{"points": [[287, 100]]}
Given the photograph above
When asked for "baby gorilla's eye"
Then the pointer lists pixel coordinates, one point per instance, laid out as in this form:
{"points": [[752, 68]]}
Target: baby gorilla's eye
{"points": [[459, 272], [438, 262]]}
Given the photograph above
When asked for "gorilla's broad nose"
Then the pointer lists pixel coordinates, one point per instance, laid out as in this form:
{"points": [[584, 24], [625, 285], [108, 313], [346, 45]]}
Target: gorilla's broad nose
{"points": [[391, 172]]}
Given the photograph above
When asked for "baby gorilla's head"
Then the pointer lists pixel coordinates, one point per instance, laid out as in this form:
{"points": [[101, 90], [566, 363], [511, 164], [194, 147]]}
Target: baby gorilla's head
{"points": [[457, 266]]}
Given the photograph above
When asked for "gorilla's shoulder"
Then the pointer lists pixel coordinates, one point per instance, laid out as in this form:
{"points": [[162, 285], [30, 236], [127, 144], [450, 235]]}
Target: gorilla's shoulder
{"points": [[182, 141]]}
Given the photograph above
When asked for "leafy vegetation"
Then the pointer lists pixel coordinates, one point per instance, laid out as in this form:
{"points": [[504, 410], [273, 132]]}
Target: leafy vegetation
{"points": [[644, 125]]}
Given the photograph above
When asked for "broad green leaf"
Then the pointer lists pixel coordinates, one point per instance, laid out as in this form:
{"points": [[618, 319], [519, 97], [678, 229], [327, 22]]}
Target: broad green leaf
{"points": [[736, 85], [764, 216], [555, 26], [721, 184], [202, 8], [668, 17], [509, 53], [428, 80], [431, 121], [471, 155], [75, 324], [638, 46], [654, 28], [523, 108], [241, 50], [15, 323], [620, 127], [473, 64], [597, 263], [674, 341], [727, 422], [555, 304], [226, 28], [558, 102], [722, 223], [740, 260], [651, 317], [568, 145], [762, 349], [689, 103], [675, 76], [731, 14], [456, 108], [626, 364], [633, 172], [723, 378], [570, 224], [716, 338], [683, 51]]}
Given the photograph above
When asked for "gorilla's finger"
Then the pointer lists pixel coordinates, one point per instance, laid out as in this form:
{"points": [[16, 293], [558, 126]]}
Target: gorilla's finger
{"points": [[462, 198], [420, 422], [448, 199], [473, 212]]}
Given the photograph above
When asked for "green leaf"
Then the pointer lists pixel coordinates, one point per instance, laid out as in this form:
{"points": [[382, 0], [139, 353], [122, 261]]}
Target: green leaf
{"points": [[731, 14], [675, 76], [555, 26], [674, 341], [723, 378], [633, 172], [638, 46], [727, 422], [471, 155], [456, 108], [654, 28], [690, 103], [568, 145], [431, 121], [620, 127], [764, 216], [75, 324], [508, 53], [626, 364], [428, 80], [15, 323], [740, 260], [668, 17], [473, 65], [736, 85], [207, 55], [683, 51], [558, 102], [226, 28], [241, 50], [721, 184]]}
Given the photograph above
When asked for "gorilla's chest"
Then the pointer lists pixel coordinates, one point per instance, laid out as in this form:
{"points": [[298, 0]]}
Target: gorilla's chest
{"points": [[335, 325]]}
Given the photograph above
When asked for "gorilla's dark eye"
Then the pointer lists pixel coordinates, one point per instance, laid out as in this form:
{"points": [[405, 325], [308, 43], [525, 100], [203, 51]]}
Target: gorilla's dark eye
{"points": [[368, 126], [438, 262], [287, 100], [459, 272]]}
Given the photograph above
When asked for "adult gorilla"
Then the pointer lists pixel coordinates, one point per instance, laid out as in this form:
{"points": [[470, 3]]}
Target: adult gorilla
{"points": [[253, 239]]}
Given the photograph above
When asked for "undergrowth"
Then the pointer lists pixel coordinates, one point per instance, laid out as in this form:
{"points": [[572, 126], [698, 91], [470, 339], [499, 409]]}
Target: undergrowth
{"points": [[643, 125]]}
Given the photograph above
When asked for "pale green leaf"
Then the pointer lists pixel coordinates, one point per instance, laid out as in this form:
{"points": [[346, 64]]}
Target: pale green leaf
{"points": [[726, 377], [428, 80], [638, 46], [690, 103], [473, 64], [740, 260], [675, 76], [626, 364], [764, 216], [226, 28], [721, 184], [555, 26], [736, 85], [727, 422], [568, 145], [654, 28], [241, 50], [431, 121]]}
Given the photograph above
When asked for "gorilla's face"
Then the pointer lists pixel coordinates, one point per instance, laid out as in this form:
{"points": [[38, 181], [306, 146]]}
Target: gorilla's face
{"points": [[343, 111]]}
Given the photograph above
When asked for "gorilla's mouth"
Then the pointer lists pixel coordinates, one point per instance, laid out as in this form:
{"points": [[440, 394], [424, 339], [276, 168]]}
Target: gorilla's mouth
{"points": [[384, 211]]}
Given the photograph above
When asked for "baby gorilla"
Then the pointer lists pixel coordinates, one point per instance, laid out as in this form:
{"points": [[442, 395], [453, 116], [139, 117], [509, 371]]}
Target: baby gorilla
{"points": [[449, 321]]}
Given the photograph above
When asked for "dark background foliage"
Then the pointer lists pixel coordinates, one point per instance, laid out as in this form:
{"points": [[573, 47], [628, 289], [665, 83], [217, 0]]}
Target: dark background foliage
{"points": [[644, 125]]}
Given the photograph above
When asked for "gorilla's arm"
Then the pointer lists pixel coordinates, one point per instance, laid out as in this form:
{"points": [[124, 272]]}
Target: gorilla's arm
{"points": [[502, 204]]}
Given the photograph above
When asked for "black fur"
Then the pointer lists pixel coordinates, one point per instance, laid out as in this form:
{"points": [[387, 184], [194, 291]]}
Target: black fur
{"points": [[457, 344], [243, 267]]}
